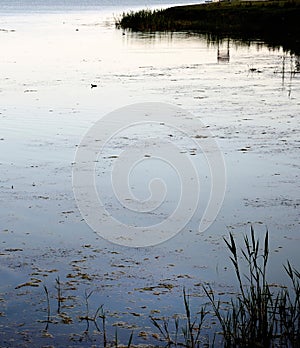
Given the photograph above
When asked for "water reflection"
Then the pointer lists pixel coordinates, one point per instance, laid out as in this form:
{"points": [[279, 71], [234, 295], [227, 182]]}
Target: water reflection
{"points": [[223, 54], [211, 38], [222, 44], [290, 69], [222, 49]]}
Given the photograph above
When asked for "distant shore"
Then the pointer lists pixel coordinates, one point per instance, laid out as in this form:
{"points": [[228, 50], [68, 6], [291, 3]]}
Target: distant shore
{"points": [[276, 22]]}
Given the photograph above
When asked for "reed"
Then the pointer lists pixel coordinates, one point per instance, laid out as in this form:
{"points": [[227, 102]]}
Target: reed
{"points": [[93, 318], [260, 316], [145, 20], [59, 294], [48, 308], [191, 329]]}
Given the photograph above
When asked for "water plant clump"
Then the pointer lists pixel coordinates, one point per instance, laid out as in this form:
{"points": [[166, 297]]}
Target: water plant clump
{"points": [[261, 315], [145, 20]]}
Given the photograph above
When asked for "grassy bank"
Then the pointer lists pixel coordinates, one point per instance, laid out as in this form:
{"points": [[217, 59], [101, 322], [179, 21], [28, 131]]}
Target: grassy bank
{"points": [[276, 22]]}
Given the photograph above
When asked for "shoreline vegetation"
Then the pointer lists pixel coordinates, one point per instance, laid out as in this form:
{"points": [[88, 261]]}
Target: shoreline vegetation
{"points": [[275, 22]]}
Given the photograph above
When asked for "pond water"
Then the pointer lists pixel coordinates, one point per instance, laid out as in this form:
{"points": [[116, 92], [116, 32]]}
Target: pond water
{"points": [[248, 98]]}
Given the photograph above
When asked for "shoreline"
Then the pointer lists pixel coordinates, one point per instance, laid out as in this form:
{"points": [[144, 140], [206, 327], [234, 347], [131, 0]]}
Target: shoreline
{"points": [[275, 22]]}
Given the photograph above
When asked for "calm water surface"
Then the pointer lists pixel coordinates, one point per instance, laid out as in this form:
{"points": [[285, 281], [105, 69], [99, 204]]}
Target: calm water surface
{"points": [[48, 62]]}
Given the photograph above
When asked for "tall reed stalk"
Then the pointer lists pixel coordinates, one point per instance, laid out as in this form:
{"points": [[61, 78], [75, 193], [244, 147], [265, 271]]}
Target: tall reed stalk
{"points": [[191, 329], [259, 316]]}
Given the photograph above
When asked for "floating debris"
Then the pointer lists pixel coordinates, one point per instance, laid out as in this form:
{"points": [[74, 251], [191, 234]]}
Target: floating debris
{"points": [[34, 283]]}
